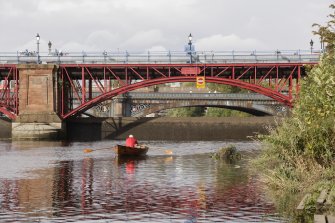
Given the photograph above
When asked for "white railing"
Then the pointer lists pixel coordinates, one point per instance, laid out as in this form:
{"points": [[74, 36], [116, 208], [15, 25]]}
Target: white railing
{"points": [[167, 57], [199, 96]]}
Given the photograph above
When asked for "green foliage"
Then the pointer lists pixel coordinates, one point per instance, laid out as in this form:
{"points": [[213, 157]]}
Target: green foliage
{"points": [[200, 111], [326, 33], [299, 154], [222, 112], [224, 88], [310, 132], [228, 154], [186, 112]]}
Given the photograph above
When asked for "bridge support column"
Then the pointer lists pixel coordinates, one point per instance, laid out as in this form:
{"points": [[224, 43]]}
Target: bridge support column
{"points": [[119, 106], [38, 117]]}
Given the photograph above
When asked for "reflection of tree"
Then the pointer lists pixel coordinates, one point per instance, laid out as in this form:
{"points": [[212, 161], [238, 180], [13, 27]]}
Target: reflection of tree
{"points": [[227, 176], [237, 190]]}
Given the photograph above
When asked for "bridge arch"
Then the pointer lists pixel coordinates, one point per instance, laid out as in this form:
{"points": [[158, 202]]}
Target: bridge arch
{"points": [[255, 110], [278, 96]]}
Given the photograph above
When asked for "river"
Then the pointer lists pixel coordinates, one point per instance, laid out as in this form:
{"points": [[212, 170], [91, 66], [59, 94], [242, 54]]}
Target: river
{"points": [[176, 182]]}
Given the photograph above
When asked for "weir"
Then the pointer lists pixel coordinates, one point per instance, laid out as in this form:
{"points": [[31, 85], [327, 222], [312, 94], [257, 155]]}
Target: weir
{"points": [[164, 128]]}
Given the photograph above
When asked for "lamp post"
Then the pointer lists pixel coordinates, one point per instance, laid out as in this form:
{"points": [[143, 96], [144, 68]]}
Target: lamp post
{"points": [[38, 47], [311, 44], [49, 45], [322, 44], [190, 44]]}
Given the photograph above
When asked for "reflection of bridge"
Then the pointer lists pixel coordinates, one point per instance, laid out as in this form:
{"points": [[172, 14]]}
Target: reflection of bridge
{"points": [[139, 104], [64, 86]]}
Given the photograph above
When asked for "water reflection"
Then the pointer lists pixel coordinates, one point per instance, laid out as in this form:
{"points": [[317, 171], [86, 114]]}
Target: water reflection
{"points": [[156, 188]]}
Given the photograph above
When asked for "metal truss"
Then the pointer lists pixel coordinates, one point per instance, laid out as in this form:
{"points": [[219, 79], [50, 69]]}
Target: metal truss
{"points": [[9, 87], [83, 86]]}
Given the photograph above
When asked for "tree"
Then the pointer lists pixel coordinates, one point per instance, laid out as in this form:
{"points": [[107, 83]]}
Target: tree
{"points": [[326, 33], [224, 88], [303, 145], [186, 112]]}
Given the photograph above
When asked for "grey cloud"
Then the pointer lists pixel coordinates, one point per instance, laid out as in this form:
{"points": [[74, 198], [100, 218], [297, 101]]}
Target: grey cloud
{"points": [[160, 24]]}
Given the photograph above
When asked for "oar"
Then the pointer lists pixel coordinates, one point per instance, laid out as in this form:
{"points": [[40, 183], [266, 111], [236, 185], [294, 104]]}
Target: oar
{"points": [[168, 152], [87, 150]]}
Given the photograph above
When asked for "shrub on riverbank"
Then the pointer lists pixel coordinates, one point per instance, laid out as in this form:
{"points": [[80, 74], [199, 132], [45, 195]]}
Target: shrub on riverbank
{"points": [[229, 154], [299, 155]]}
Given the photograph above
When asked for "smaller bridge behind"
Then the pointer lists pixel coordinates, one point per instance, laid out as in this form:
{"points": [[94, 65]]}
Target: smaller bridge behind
{"points": [[140, 104]]}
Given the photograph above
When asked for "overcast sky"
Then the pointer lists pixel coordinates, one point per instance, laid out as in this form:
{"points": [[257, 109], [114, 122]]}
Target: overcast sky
{"points": [[141, 25]]}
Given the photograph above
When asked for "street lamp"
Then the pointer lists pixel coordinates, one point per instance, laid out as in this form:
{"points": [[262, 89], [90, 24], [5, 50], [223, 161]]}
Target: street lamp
{"points": [[38, 47], [49, 45], [322, 44], [311, 44], [190, 44]]}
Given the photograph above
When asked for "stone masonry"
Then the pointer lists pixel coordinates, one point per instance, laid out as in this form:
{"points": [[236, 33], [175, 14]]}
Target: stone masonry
{"points": [[38, 117]]}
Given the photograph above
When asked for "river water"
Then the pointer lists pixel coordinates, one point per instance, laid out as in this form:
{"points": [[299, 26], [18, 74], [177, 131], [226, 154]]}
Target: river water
{"points": [[176, 182]]}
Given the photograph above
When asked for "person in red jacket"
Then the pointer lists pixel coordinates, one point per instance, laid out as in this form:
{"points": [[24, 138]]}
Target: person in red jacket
{"points": [[131, 141]]}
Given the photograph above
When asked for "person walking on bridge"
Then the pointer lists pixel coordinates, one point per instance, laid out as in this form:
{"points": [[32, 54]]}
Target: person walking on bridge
{"points": [[131, 141]]}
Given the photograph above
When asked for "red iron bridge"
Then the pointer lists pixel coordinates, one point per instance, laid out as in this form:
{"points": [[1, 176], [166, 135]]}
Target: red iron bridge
{"points": [[67, 84]]}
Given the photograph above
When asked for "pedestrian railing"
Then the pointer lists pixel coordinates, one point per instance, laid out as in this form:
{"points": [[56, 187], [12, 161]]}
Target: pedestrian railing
{"points": [[168, 57]]}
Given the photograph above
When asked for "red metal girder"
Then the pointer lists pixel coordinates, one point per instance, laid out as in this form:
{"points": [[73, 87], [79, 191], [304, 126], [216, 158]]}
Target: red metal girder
{"points": [[283, 85], [116, 77], [159, 72], [243, 73], [153, 74], [298, 80], [62, 100], [222, 71], [9, 114], [265, 76], [72, 85], [16, 90], [6, 86], [83, 87], [259, 89], [101, 88], [135, 72], [8, 94], [179, 70], [105, 80]]}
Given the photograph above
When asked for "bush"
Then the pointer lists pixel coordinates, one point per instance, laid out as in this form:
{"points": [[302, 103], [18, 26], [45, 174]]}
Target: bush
{"points": [[228, 154]]}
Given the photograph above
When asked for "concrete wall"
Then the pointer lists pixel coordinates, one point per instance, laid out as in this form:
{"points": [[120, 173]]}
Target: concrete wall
{"points": [[167, 128]]}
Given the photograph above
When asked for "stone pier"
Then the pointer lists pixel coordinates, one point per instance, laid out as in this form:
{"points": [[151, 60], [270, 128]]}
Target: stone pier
{"points": [[38, 117]]}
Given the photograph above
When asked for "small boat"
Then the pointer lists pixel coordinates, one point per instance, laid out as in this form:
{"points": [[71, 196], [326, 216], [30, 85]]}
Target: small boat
{"points": [[130, 151]]}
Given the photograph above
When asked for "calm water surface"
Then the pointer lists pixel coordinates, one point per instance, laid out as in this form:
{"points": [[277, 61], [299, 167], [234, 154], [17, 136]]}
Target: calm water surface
{"points": [[58, 182]]}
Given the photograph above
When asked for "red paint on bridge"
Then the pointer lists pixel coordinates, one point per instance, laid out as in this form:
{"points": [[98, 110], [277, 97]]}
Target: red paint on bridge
{"points": [[83, 86], [9, 87]]}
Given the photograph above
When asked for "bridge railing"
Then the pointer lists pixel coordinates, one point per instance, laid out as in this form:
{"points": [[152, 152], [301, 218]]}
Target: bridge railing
{"points": [[167, 57], [199, 96]]}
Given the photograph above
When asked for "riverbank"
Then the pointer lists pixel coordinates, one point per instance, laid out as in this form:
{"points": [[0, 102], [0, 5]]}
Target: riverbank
{"points": [[298, 155]]}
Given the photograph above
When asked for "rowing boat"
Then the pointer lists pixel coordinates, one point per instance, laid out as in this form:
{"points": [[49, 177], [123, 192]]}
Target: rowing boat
{"points": [[130, 151]]}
